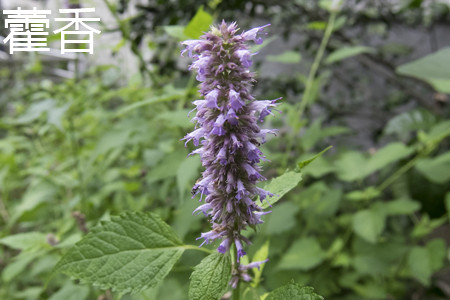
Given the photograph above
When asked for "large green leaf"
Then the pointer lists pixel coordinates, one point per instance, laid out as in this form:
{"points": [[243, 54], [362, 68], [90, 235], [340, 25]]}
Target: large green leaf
{"points": [[130, 253], [280, 186], [210, 278], [432, 68], [294, 291]]}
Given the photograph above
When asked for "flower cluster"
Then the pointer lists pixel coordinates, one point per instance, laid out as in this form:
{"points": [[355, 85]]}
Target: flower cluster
{"points": [[228, 132]]}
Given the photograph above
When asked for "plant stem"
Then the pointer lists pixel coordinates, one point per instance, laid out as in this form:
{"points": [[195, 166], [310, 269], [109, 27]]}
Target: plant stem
{"points": [[310, 83], [316, 63]]}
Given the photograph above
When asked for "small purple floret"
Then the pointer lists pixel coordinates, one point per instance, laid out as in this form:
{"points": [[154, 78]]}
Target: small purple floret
{"points": [[229, 136]]}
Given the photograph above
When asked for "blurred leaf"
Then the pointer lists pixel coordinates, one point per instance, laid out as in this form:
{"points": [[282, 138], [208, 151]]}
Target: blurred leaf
{"points": [[366, 194], [369, 223], [306, 162], [350, 166], [436, 251], [282, 218], [25, 241], [140, 245], [187, 173], [401, 207], [18, 265], [199, 24], [168, 167], [304, 254], [210, 278], [435, 169], [426, 226], [419, 265], [346, 52], [260, 255], [280, 186], [317, 25], [432, 68], [177, 118], [385, 156], [406, 122], [35, 110], [288, 57], [354, 166], [293, 291], [176, 31], [71, 291]]}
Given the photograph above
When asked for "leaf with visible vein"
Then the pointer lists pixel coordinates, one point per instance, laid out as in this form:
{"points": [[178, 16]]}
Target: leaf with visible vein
{"points": [[130, 253], [209, 281]]}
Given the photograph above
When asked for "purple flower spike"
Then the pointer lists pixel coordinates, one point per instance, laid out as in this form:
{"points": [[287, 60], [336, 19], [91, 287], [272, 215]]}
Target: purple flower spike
{"points": [[229, 136]]}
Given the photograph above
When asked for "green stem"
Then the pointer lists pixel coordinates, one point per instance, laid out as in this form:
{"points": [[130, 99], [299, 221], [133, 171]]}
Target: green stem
{"points": [[315, 66], [309, 84]]}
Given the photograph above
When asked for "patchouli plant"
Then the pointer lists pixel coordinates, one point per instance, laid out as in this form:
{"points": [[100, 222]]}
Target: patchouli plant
{"points": [[227, 129], [134, 252]]}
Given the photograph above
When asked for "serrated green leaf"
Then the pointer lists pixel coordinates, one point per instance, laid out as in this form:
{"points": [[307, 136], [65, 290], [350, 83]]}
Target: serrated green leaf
{"points": [[130, 253], [304, 254], [432, 68], [306, 162], [199, 24], [346, 52], [280, 186], [288, 57], [210, 278], [294, 291]]}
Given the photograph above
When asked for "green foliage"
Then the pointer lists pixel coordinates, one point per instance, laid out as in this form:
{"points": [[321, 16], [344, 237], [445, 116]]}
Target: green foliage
{"points": [[432, 69], [211, 277], [280, 186], [130, 253]]}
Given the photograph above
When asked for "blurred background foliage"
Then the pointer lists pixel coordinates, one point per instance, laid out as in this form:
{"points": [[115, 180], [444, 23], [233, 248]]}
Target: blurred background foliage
{"points": [[370, 219]]}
